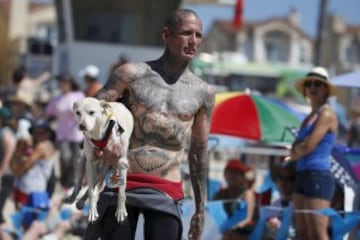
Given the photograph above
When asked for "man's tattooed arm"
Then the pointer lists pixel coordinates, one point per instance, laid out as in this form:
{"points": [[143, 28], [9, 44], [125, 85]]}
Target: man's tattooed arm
{"points": [[199, 165], [198, 153], [116, 85]]}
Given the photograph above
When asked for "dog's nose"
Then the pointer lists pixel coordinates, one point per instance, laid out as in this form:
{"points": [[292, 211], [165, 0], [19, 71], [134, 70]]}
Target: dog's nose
{"points": [[82, 127]]}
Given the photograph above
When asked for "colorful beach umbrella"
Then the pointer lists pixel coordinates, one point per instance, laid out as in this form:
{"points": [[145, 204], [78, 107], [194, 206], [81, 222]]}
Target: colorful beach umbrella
{"points": [[255, 118], [220, 97]]}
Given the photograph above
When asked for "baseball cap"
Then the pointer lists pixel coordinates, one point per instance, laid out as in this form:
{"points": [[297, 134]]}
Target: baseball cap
{"points": [[236, 164], [90, 70]]}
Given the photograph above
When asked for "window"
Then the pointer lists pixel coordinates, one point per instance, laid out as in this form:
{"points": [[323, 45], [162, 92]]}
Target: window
{"points": [[302, 54], [352, 53], [277, 46], [127, 22], [246, 49], [40, 46]]}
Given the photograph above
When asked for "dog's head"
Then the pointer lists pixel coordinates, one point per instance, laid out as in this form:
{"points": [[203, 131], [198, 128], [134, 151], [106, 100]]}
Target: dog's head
{"points": [[91, 113]]}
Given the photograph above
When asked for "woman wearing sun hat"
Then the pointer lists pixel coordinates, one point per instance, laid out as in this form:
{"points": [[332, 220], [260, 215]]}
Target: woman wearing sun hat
{"points": [[314, 185]]}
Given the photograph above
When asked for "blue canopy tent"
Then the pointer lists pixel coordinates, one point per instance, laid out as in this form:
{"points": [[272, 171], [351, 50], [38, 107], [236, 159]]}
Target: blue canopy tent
{"points": [[351, 80]]}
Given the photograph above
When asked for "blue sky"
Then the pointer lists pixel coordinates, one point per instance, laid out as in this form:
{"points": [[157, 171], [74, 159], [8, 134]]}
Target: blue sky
{"points": [[264, 9]]}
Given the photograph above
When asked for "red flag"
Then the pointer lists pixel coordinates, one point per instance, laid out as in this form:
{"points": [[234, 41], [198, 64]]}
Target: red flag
{"points": [[238, 21]]}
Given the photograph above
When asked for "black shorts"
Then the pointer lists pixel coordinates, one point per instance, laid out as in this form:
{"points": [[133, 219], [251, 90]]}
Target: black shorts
{"points": [[315, 184], [162, 217]]}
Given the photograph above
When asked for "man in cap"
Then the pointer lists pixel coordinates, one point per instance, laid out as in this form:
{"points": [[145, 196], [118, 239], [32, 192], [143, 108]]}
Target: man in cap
{"points": [[90, 73]]}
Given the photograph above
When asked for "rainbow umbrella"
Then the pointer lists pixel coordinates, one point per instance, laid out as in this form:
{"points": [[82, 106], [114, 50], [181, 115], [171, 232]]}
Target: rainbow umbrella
{"points": [[220, 97], [255, 118]]}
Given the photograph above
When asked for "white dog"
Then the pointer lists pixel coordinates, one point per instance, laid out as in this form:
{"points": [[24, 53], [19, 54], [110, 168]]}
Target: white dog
{"points": [[105, 125]]}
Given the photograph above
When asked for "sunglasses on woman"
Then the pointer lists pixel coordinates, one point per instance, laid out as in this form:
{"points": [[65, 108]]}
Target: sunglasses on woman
{"points": [[316, 84]]}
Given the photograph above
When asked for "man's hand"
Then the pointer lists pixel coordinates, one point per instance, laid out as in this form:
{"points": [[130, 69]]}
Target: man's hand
{"points": [[109, 156], [196, 226]]}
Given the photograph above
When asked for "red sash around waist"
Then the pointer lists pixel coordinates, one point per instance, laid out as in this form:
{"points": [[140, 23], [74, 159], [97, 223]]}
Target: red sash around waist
{"points": [[138, 180]]}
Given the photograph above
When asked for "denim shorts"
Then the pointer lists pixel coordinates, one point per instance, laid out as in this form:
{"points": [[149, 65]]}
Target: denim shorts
{"points": [[315, 184]]}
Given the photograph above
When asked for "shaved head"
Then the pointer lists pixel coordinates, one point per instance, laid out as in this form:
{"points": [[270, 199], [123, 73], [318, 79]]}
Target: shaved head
{"points": [[175, 19]]}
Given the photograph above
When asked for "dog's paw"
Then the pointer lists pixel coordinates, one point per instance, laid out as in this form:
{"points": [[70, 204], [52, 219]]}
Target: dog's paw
{"points": [[121, 214], [69, 200], [80, 204]]}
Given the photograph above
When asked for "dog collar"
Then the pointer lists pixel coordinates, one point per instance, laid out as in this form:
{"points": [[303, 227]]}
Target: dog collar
{"points": [[104, 141]]}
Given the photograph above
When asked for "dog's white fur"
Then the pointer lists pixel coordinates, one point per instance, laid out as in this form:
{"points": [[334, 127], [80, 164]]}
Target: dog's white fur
{"points": [[93, 117]]}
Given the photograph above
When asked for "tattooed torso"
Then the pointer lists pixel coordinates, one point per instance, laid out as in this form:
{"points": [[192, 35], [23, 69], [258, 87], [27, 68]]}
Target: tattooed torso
{"points": [[163, 114]]}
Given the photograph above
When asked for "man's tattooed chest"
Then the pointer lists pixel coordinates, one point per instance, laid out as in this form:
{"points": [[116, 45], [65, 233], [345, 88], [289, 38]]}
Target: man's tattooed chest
{"points": [[163, 114], [179, 100]]}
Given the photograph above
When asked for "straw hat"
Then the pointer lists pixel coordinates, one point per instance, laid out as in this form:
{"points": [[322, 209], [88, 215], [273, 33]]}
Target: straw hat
{"points": [[22, 96], [318, 74]]}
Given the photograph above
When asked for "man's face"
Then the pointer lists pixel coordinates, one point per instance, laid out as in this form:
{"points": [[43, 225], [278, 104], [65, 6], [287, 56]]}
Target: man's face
{"points": [[87, 80], [186, 38]]}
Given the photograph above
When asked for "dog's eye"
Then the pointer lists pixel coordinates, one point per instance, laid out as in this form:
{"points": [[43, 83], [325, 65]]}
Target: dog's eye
{"points": [[78, 113], [91, 113]]}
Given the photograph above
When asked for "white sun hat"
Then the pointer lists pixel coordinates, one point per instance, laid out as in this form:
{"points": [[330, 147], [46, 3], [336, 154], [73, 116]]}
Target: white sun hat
{"points": [[90, 70], [318, 74]]}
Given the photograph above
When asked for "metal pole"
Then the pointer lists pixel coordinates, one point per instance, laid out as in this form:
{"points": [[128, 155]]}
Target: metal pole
{"points": [[320, 33]]}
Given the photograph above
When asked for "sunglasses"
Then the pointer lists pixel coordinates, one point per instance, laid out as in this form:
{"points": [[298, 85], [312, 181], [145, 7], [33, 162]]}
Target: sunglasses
{"points": [[316, 84]]}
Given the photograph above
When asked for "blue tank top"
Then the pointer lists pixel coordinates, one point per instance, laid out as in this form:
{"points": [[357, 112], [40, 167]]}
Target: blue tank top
{"points": [[319, 158]]}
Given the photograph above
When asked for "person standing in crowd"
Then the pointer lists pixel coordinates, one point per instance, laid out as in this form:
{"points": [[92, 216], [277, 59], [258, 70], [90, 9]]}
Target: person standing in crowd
{"points": [[30, 86], [90, 73], [32, 166], [23, 81], [239, 180], [170, 106], [8, 127], [314, 184], [68, 134]]}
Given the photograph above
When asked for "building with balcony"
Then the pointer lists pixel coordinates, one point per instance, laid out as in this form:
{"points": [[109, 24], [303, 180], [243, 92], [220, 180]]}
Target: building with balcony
{"points": [[275, 40]]}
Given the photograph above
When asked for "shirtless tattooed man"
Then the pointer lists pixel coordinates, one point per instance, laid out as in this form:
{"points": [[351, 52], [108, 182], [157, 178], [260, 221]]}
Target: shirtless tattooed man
{"points": [[172, 108]]}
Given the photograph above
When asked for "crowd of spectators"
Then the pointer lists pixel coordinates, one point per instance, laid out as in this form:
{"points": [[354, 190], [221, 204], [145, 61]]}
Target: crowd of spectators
{"points": [[35, 135]]}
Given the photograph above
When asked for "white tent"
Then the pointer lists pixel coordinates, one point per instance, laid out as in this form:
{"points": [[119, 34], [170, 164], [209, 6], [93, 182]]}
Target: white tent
{"points": [[351, 80]]}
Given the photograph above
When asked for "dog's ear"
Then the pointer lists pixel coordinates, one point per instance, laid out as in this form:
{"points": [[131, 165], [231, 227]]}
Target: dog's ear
{"points": [[106, 106]]}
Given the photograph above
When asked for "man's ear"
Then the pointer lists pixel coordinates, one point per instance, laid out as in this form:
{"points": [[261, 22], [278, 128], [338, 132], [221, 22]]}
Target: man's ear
{"points": [[165, 33]]}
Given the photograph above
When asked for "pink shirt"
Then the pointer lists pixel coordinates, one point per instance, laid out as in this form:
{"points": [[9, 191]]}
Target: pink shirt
{"points": [[61, 108]]}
